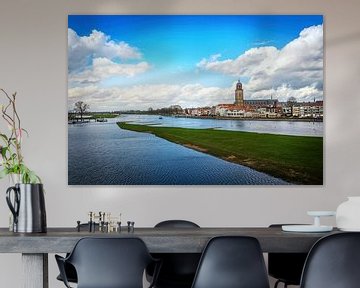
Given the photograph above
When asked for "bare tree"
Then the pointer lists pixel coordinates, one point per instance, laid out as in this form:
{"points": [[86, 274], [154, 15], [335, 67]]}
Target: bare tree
{"points": [[81, 107], [291, 100]]}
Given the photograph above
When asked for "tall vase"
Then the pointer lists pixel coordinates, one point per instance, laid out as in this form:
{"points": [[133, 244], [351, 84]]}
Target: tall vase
{"points": [[348, 214], [27, 204]]}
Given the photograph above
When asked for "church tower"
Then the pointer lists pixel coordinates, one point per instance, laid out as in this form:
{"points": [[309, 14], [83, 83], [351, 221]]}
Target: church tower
{"points": [[239, 94]]}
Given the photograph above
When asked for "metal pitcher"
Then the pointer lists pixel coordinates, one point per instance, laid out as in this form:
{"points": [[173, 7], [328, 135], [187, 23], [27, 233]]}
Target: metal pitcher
{"points": [[28, 208]]}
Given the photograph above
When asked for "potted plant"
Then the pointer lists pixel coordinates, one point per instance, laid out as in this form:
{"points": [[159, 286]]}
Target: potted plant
{"points": [[27, 204], [12, 161]]}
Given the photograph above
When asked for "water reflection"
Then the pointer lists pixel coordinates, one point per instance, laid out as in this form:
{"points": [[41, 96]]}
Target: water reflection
{"points": [[104, 154]]}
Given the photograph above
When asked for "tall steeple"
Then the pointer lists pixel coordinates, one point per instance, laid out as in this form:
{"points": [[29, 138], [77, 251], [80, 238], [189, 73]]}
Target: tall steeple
{"points": [[239, 94]]}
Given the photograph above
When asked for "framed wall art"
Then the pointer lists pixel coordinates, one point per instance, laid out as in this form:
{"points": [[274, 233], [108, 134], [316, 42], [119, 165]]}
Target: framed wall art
{"points": [[195, 100]]}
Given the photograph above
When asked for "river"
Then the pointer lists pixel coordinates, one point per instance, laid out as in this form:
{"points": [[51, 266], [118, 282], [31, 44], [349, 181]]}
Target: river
{"points": [[300, 128], [104, 154]]}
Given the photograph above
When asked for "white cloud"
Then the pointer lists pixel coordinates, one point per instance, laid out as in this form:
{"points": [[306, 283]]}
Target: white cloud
{"points": [[298, 66], [251, 62], [96, 57], [284, 92], [103, 68], [81, 49], [82, 92], [215, 57], [144, 96]]}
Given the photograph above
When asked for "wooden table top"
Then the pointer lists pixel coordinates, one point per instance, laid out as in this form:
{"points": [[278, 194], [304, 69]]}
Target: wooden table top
{"points": [[158, 240]]}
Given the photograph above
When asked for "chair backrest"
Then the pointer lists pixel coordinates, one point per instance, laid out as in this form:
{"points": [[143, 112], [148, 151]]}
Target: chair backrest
{"points": [[286, 266], [110, 262], [333, 262], [232, 262], [176, 224], [178, 269]]}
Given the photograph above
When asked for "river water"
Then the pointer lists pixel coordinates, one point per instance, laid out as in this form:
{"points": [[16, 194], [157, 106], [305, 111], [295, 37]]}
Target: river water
{"points": [[104, 154], [260, 126]]}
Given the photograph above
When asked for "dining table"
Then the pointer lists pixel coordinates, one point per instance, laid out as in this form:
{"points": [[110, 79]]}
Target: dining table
{"points": [[35, 247]]}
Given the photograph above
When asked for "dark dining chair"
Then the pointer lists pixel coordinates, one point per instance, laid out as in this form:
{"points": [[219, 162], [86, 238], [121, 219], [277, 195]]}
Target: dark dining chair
{"points": [[333, 262], [108, 263], [232, 262], [286, 267], [70, 271], [178, 269]]}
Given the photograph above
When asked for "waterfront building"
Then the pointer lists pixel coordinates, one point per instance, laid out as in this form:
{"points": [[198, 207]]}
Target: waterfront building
{"points": [[287, 110], [318, 109], [296, 110], [236, 111], [263, 108], [227, 110], [308, 109], [239, 94], [302, 109], [200, 111], [262, 102]]}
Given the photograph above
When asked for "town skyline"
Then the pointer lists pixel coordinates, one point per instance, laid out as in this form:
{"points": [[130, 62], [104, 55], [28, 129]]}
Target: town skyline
{"points": [[113, 67]]}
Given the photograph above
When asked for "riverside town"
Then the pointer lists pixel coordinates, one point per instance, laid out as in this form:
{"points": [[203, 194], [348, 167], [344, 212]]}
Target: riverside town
{"points": [[240, 109]]}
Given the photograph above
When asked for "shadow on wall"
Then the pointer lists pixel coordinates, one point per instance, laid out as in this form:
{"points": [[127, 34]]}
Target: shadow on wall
{"points": [[131, 7], [345, 39]]}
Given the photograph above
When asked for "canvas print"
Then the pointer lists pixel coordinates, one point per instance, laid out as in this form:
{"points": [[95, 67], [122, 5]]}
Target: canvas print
{"points": [[195, 100]]}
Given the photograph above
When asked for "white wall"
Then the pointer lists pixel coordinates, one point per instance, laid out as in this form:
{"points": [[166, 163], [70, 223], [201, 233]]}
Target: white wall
{"points": [[33, 62]]}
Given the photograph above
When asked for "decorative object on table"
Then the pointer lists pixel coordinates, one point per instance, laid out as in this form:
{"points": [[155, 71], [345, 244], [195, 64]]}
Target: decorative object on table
{"points": [[170, 92], [27, 204], [101, 221], [316, 227], [130, 225], [78, 225], [348, 214]]}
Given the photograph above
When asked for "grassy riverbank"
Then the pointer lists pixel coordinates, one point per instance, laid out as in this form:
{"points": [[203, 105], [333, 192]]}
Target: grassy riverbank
{"points": [[296, 159]]}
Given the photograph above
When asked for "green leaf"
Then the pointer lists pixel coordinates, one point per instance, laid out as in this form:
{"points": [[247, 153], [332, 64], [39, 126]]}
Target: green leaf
{"points": [[33, 178], [27, 175], [26, 132], [4, 173], [4, 137], [3, 151], [13, 156]]}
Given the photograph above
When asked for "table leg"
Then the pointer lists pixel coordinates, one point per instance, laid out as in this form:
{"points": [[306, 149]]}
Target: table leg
{"points": [[35, 270]]}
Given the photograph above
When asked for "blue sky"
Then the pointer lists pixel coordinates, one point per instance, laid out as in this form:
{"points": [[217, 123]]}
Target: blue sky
{"points": [[187, 50]]}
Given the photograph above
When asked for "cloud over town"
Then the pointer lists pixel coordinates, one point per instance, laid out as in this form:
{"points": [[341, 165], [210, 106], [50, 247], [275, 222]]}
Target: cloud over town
{"points": [[296, 70]]}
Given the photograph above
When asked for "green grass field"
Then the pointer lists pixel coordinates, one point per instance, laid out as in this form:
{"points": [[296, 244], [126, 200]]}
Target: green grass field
{"points": [[296, 159]]}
